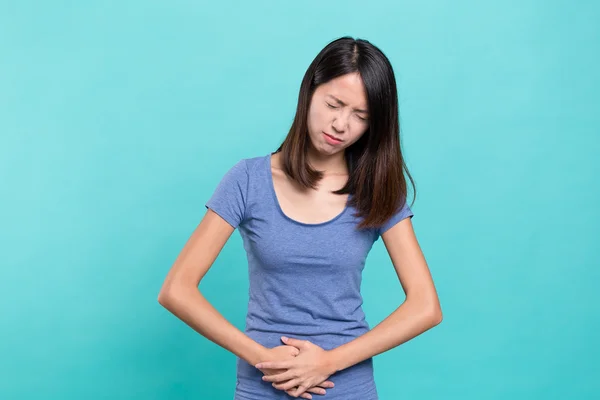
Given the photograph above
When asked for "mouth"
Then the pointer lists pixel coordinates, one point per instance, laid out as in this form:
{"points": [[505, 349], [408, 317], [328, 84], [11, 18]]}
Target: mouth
{"points": [[333, 138]]}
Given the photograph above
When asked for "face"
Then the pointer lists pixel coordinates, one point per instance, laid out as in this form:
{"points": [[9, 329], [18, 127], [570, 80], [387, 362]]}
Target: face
{"points": [[338, 110]]}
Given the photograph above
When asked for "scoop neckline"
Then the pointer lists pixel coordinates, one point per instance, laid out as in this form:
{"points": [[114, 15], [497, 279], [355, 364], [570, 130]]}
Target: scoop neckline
{"points": [[284, 215]]}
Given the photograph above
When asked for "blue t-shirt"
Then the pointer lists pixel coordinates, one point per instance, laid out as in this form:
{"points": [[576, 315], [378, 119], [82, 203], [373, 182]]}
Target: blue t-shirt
{"points": [[304, 279]]}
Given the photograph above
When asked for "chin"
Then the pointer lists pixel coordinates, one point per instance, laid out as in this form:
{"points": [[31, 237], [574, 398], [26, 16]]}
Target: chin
{"points": [[327, 150], [324, 148]]}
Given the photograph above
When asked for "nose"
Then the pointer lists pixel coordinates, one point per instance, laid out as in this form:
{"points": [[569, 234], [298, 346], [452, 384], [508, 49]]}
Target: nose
{"points": [[340, 122]]}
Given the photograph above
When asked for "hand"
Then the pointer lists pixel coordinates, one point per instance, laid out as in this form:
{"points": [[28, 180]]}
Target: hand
{"points": [[279, 353], [308, 369], [283, 353]]}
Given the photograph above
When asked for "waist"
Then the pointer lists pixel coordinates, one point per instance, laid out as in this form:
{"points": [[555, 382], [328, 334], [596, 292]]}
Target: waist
{"points": [[291, 324], [270, 335]]}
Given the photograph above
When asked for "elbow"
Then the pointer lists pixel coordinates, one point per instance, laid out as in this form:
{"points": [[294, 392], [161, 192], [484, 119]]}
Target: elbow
{"points": [[174, 293], [164, 298], [167, 296], [435, 316], [434, 312], [429, 310]]}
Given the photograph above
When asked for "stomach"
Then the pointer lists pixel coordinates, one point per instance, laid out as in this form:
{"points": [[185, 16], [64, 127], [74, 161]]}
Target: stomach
{"points": [[355, 382]]}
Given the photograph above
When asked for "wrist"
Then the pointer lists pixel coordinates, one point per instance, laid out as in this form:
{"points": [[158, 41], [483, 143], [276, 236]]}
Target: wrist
{"points": [[334, 363], [259, 354]]}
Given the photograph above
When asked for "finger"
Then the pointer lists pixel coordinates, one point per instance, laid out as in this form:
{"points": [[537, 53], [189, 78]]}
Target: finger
{"points": [[274, 365], [304, 395], [278, 378], [327, 384], [294, 351], [292, 383], [301, 389], [317, 390], [295, 342], [272, 371]]}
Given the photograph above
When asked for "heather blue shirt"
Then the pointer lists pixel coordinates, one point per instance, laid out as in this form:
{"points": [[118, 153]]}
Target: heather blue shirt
{"points": [[304, 278]]}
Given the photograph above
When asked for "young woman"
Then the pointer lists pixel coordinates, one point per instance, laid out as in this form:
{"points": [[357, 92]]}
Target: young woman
{"points": [[308, 215]]}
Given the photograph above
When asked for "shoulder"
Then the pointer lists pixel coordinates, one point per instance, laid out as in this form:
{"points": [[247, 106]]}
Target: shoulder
{"points": [[402, 212], [244, 168], [253, 164], [245, 176], [231, 198]]}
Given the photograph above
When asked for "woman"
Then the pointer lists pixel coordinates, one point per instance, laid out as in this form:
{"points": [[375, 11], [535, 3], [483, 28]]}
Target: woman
{"points": [[309, 214]]}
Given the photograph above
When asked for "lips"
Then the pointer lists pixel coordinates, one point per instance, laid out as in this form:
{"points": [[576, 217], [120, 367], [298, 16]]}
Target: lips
{"points": [[333, 137]]}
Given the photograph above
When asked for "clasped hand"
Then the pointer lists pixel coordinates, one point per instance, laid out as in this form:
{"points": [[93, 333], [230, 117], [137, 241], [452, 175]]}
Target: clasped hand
{"points": [[305, 371]]}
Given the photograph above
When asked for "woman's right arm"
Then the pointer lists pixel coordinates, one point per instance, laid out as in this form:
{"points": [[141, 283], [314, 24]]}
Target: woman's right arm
{"points": [[180, 294]]}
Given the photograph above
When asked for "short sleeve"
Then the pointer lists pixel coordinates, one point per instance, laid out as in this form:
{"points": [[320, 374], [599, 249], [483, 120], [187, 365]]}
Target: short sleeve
{"points": [[230, 196], [401, 213]]}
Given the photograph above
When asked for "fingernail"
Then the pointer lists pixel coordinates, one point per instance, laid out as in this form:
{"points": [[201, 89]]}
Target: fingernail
{"points": [[284, 338]]}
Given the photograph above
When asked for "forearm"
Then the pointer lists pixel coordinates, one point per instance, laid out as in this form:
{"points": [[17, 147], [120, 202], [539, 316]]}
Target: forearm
{"points": [[406, 322], [189, 305]]}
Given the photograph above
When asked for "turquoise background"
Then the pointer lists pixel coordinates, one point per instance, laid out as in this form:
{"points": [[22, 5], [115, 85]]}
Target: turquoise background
{"points": [[118, 119]]}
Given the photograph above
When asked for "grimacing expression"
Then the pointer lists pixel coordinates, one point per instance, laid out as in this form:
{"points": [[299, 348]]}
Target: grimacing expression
{"points": [[338, 110]]}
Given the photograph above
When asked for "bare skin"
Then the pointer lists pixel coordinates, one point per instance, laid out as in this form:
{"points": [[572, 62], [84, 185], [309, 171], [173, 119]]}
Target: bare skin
{"points": [[308, 206]]}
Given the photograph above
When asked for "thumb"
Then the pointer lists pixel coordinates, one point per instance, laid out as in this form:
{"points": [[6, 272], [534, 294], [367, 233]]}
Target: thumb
{"points": [[293, 342]]}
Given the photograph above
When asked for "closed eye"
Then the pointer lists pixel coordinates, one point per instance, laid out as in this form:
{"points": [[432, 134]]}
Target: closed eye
{"points": [[359, 117]]}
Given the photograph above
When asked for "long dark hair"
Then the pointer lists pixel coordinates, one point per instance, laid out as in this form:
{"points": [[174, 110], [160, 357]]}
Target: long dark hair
{"points": [[375, 163]]}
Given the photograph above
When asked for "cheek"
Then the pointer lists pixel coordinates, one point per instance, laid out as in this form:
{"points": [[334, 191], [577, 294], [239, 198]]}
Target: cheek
{"points": [[357, 133], [317, 117]]}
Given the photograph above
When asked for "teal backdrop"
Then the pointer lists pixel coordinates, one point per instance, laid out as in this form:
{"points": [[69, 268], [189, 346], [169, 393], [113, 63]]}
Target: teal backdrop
{"points": [[118, 119]]}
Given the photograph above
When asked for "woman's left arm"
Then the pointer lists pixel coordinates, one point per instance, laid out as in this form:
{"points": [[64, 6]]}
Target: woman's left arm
{"points": [[419, 312]]}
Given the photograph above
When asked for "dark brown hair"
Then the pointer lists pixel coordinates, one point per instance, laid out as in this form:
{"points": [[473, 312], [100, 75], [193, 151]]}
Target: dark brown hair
{"points": [[375, 163]]}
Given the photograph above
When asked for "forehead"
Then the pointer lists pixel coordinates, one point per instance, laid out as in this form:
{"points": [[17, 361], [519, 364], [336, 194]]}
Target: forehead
{"points": [[349, 88]]}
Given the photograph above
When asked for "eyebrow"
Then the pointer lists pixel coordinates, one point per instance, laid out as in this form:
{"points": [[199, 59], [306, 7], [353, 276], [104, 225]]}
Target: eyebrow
{"points": [[344, 104]]}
